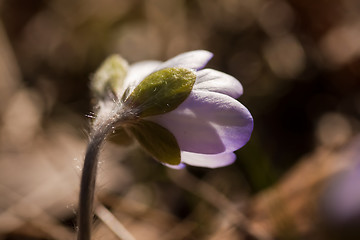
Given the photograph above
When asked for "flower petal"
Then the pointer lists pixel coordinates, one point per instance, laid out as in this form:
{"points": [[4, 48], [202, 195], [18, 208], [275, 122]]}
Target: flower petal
{"points": [[215, 81], [177, 167], [194, 60], [136, 73], [208, 123], [208, 160]]}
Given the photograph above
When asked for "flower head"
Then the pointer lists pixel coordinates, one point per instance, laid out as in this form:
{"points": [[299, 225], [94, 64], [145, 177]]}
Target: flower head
{"points": [[179, 112], [340, 201]]}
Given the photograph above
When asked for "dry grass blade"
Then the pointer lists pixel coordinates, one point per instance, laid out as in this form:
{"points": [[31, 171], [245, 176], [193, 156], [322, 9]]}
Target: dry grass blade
{"points": [[15, 216], [112, 223], [205, 191]]}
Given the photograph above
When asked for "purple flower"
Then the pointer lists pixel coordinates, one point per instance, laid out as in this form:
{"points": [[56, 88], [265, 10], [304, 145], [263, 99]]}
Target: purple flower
{"points": [[181, 113], [340, 202]]}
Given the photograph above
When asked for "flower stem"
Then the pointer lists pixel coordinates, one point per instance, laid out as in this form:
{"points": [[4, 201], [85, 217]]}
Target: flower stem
{"points": [[88, 180], [102, 126]]}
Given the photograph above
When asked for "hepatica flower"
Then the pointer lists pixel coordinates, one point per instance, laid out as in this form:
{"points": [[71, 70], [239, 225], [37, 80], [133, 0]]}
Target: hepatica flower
{"points": [[179, 112]]}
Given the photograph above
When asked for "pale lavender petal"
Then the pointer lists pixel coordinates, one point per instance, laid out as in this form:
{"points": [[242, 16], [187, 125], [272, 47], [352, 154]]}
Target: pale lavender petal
{"points": [[137, 72], [178, 167], [215, 81], [208, 160], [208, 123], [194, 60]]}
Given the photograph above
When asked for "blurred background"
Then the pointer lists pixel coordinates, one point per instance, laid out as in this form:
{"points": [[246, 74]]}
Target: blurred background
{"points": [[297, 178]]}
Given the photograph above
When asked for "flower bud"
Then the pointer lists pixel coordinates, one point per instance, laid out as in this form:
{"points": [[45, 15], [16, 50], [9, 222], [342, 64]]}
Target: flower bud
{"points": [[109, 76]]}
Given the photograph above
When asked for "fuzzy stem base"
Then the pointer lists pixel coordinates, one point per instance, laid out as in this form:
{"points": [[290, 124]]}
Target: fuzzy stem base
{"points": [[88, 180], [106, 121]]}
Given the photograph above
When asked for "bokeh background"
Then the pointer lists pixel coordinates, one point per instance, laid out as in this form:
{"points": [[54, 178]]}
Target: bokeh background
{"points": [[297, 178]]}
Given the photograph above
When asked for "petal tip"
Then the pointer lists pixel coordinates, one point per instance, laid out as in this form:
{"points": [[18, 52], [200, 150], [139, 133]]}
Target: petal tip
{"points": [[196, 59], [176, 167], [203, 55], [208, 160]]}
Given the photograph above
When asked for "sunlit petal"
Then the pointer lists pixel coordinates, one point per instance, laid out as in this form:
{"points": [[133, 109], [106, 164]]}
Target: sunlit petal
{"points": [[208, 123], [194, 60], [215, 81]]}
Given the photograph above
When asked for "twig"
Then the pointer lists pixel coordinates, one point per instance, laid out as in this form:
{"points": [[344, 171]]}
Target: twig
{"points": [[113, 224], [207, 192], [14, 216]]}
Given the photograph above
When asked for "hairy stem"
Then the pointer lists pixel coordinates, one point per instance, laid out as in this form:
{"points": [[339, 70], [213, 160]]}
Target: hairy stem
{"points": [[106, 121], [88, 180]]}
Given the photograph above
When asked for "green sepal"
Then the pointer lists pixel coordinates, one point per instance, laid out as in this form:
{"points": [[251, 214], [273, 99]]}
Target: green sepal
{"points": [[109, 76], [159, 142], [161, 91]]}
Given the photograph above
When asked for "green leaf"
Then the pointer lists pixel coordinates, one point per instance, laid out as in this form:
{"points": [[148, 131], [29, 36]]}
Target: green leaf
{"points": [[161, 91], [159, 142], [119, 136], [109, 76]]}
